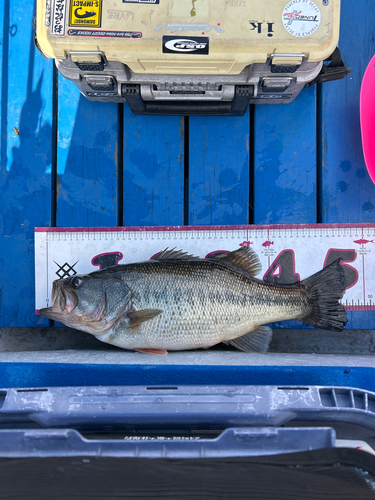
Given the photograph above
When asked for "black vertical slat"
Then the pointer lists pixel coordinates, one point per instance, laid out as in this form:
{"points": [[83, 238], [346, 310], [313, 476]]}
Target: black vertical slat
{"points": [[54, 178], [186, 171], [120, 166], [251, 162], [319, 154]]}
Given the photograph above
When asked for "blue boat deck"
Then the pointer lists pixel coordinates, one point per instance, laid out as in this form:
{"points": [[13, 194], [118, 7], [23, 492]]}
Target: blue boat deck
{"points": [[66, 161]]}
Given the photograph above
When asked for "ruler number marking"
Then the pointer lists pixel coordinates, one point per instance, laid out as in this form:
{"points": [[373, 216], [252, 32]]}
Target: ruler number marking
{"points": [[282, 270], [351, 274]]}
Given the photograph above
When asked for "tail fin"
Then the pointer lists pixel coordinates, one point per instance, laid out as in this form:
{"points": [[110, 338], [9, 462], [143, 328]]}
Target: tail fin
{"points": [[324, 290]]}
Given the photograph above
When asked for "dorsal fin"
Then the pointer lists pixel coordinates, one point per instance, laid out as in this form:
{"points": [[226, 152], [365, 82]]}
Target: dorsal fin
{"points": [[173, 254], [244, 259]]}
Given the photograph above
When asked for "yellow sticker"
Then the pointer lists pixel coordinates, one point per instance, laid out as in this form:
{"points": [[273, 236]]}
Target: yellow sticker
{"points": [[85, 13]]}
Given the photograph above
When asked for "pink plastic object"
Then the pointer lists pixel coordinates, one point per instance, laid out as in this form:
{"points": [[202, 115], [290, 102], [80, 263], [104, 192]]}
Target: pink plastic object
{"points": [[367, 112]]}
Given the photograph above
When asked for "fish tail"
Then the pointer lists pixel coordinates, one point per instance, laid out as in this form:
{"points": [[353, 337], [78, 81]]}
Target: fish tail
{"points": [[324, 290]]}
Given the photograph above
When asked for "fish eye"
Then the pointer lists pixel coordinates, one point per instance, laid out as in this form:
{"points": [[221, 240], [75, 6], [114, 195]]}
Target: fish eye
{"points": [[76, 282]]}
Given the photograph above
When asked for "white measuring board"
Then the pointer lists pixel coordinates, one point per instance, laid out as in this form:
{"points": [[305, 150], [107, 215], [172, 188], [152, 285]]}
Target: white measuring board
{"points": [[288, 253]]}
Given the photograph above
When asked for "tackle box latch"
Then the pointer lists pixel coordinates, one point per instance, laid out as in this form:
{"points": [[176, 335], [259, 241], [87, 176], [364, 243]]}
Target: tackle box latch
{"points": [[285, 63], [88, 61], [100, 82], [275, 84]]}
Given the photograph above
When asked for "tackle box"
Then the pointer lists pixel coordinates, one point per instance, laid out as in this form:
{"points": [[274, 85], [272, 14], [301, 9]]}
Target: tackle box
{"points": [[321, 439], [191, 57]]}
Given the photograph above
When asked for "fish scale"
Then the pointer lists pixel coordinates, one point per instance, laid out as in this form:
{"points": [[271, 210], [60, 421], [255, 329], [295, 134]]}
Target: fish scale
{"points": [[210, 291]]}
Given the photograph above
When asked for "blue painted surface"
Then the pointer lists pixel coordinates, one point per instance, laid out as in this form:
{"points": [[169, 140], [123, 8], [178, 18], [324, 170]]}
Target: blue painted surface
{"points": [[95, 164], [26, 155], [347, 192], [47, 374], [153, 182], [87, 174], [219, 170], [285, 161]]}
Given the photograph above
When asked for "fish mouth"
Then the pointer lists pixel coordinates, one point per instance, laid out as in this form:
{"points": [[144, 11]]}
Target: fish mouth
{"points": [[63, 302]]}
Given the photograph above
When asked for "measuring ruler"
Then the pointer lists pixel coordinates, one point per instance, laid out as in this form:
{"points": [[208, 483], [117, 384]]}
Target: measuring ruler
{"points": [[288, 253]]}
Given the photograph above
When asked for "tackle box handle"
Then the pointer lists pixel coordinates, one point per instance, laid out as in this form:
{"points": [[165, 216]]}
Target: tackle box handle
{"points": [[236, 107]]}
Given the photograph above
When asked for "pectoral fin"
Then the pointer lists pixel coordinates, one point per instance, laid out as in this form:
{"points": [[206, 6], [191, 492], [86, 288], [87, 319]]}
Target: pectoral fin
{"points": [[138, 317], [258, 340]]}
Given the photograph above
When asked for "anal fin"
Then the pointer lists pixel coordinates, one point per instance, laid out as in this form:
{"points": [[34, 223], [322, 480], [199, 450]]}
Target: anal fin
{"points": [[257, 340]]}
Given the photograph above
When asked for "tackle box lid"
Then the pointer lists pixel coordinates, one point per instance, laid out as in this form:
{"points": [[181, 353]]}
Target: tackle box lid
{"points": [[188, 37]]}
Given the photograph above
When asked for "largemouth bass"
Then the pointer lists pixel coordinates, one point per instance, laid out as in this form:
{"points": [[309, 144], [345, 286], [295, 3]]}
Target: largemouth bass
{"points": [[177, 301]]}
